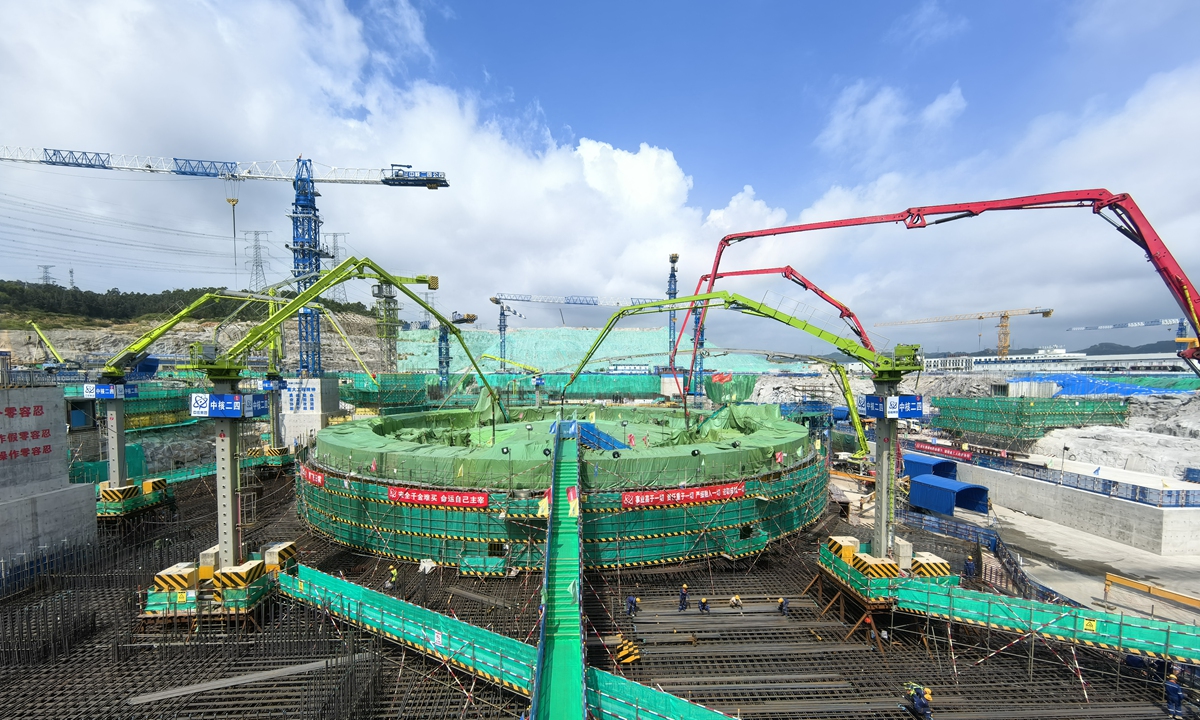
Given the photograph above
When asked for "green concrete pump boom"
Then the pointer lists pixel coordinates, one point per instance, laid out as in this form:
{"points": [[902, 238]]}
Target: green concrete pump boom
{"points": [[230, 363], [46, 341], [114, 369], [905, 358]]}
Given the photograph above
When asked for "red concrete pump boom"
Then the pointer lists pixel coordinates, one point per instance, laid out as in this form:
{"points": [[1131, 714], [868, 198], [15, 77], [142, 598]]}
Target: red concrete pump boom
{"points": [[1124, 215]]}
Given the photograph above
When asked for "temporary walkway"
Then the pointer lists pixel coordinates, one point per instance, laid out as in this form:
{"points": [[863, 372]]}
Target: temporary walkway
{"points": [[940, 597], [560, 676]]}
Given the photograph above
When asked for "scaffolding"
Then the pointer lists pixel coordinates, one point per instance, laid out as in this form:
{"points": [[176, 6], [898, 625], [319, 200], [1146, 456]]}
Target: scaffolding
{"points": [[1012, 422]]}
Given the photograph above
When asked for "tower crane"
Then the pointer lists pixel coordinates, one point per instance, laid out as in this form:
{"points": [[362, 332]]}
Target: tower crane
{"points": [[1004, 337], [306, 221], [1179, 323], [505, 311]]}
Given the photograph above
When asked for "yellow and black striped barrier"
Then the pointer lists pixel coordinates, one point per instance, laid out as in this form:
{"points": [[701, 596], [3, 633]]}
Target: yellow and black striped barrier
{"points": [[843, 546], [239, 576], [277, 555], [153, 485], [180, 576], [119, 494], [929, 565], [874, 567]]}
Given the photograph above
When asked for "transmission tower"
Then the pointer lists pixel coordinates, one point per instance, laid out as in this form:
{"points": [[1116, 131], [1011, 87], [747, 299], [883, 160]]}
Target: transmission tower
{"points": [[258, 276], [71, 273], [46, 279], [337, 254]]}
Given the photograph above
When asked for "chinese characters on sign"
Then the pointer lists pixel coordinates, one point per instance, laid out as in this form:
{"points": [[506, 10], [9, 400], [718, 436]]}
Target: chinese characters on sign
{"points": [[312, 476], [16, 444], [942, 450], [682, 496], [421, 496]]}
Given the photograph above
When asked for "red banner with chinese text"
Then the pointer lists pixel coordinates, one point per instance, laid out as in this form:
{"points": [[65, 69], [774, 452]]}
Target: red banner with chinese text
{"points": [[425, 496], [943, 450], [312, 476], [682, 496]]}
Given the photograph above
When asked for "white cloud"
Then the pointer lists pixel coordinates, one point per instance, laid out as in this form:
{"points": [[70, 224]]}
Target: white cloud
{"points": [[263, 80], [927, 24], [873, 129], [944, 109]]}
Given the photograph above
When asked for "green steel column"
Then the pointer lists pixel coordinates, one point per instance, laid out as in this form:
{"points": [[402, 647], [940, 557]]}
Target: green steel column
{"points": [[228, 483], [885, 474], [114, 418]]}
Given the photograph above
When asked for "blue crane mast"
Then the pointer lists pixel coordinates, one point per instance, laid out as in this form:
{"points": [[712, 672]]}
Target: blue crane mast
{"points": [[505, 311], [306, 221], [672, 293]]}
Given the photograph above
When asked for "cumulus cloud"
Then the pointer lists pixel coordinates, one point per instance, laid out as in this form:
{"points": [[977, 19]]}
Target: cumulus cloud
{"points": [[526, 213]]}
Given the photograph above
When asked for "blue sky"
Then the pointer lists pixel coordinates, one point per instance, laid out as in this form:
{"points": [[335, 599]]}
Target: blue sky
{"points": [[586, 142]]}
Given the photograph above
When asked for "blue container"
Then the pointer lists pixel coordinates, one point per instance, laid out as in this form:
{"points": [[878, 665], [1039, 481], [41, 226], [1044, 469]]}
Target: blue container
{"points": [[1192, 475]]}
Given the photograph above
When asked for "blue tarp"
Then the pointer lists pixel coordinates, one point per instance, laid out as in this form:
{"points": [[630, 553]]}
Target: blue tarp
{"points": [[915, 465], [942, 495]]}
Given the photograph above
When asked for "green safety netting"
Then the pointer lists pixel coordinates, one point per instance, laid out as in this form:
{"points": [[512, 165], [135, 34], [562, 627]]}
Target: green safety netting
{"points": [[458, 448], [94, 472], [1165, 383], [737, 389], [610, 697], [358, 513], [1023, 418], [484, 653]]}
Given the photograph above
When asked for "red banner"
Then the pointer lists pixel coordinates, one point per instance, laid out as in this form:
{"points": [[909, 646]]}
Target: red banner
{"points": [[312, 476], [682, 496], [424, 496], [943, 450]]}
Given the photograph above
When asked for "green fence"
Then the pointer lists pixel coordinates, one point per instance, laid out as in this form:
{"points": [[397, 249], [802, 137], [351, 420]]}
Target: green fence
{"points": [[614, 698], [483, 653], [97, 471], [1023, 418]]}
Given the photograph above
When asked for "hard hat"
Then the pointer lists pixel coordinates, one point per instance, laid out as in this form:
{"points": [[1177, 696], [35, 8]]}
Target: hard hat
{"points": [[928, 692], [685, 586], [637, 600], [703, 599], [780, 600], [867, 621], [391, 567], [1174, 677]]}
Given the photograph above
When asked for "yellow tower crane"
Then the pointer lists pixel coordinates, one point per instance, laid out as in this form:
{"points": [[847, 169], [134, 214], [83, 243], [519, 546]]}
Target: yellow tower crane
{"points": [[1003, 340]]}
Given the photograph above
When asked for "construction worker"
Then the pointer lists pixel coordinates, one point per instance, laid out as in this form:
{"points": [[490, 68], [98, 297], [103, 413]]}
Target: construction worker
{"points": [[391, 581], [703, 606], [735, 602], [631, 605], [922, 702], [683, 598], [1174, 697], [783, 606], [969, 567]]}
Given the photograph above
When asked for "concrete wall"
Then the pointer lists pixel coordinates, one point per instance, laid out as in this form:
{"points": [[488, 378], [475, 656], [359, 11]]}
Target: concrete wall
{"points": [[307, 405], [1157, 530], [37, 505]]}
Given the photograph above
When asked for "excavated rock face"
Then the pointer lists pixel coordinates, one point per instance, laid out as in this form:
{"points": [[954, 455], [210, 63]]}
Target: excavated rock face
{"points": [[105, 342]]}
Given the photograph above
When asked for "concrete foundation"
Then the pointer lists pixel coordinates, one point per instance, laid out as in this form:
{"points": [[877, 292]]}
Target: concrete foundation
{"points": [[38, 507], [1163, 531]]}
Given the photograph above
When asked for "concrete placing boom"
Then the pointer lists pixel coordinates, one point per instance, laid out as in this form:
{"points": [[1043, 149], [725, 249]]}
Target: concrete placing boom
{"points": [[46, 342], [1122, 213], [1003, 339], [888, 371]]}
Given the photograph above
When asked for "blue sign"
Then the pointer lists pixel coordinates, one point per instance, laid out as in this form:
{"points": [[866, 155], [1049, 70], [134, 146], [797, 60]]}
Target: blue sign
{"points": [[131, 391], [538, 382], [893, 406], [270, 385], [255, 406], [216, 406]]}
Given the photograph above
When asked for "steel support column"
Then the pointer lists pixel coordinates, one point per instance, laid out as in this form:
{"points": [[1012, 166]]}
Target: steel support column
{"points": [[228, 483], [114, 418], [886, 432]]}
